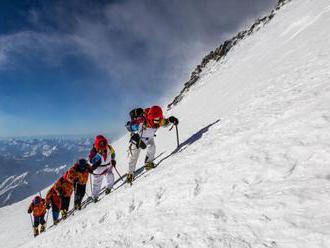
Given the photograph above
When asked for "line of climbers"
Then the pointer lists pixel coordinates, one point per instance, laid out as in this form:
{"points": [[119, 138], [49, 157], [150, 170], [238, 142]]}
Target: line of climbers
{"points": [[142, 126]]}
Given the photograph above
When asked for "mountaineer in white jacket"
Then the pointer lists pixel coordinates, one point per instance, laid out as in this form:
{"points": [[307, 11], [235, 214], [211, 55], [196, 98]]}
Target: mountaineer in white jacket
{"points": [[143, 126], [102, 157]]}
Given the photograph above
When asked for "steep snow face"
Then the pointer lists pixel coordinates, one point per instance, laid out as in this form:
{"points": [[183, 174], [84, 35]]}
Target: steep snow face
{"points": [[253, 167]]}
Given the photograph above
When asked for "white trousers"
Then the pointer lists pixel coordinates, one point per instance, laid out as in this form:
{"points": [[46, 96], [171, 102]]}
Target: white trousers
{"points": [[98, 180], [135, 152]]}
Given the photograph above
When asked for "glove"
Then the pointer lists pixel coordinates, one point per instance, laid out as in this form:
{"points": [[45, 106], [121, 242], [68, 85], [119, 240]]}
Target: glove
{"points": [[113, 162], [48, 206], [136, 140], [173, 120], [96, 161], [60, 192]]}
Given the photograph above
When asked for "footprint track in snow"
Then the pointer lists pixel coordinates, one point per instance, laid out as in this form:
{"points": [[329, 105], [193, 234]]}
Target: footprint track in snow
{"points": [[159, 195], [198, 185]]}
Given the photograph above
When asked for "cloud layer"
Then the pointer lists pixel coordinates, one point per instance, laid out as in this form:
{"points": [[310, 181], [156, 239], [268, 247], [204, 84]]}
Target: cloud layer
{"points": [[134, 51]]}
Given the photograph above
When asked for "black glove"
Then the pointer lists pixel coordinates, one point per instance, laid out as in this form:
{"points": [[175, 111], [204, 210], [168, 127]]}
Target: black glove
{"points": [[173, 120], [48, 206], [136, 140], [60, 193], [96, 165], [113, 162]]}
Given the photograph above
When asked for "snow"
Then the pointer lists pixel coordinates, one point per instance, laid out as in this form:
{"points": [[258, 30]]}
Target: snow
{"points": [[56, 170], [253, 170], [48, 151], [11, 183]]}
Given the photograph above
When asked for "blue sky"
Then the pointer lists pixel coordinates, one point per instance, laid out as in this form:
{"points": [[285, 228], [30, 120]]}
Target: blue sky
{"points": [[78, 67]]}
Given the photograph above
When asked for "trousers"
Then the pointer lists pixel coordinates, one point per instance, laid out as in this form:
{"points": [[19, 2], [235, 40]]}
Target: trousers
{"points": [[98, 180], [135, 152]]}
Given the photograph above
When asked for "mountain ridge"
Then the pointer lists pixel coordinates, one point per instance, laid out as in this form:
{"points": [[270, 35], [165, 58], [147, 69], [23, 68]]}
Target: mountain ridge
{"points": [[221, 51]]}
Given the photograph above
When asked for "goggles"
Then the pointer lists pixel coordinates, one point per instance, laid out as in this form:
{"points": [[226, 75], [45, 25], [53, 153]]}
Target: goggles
{"points": [[102, 144], [156, 120]]}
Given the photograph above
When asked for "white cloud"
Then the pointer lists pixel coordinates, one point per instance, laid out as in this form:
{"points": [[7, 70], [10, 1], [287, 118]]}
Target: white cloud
{"points": [[49, 48]]}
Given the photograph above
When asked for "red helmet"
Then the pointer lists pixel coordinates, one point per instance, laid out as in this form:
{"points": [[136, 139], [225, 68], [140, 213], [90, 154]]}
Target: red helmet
{"points": [[155, 115], [146, 111], [100, 142]]}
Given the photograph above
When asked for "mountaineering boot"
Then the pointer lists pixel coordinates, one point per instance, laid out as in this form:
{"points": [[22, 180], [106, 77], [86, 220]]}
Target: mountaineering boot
{"points": [[107, 191], [42, 228], [56, 222], [35, 231], [149, 165], [130, 178], [95, 199], [64, 213]]}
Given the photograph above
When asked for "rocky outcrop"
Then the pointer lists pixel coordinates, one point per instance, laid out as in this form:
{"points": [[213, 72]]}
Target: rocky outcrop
{"points": [[221, 51]]}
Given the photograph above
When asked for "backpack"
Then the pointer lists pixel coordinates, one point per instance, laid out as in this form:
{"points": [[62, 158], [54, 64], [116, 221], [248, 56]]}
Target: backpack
{"points": [[136, 113]]}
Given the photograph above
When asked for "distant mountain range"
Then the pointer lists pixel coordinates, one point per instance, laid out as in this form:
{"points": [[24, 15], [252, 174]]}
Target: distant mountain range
{"points": [[29, 165]]}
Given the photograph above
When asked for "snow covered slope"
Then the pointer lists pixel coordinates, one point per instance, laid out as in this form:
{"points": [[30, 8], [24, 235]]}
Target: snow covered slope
{"points": [[253, 169]]}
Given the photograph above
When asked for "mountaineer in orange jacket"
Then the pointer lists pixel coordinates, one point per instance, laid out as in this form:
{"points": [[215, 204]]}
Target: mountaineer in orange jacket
{"points": [[64, 189], [80, 172], [53, 200], [38, 210]]}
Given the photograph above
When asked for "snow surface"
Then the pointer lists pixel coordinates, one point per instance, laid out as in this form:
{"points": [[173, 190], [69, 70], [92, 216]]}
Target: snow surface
{"points": [[253, 169]]}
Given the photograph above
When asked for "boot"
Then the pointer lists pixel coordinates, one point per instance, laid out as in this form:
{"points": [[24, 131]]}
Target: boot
{"points": [[42, 228], [107, 191], [35, 231], [64, 213], [149, 165], [56, 222], [77, 206], [130, 178], [95, 199]]}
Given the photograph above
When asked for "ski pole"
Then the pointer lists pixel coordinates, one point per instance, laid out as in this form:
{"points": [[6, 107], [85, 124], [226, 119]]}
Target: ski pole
{"points": [[177, 136], [46, 218], [90, 183], [119, 174], [75, 192], [31, 220]]}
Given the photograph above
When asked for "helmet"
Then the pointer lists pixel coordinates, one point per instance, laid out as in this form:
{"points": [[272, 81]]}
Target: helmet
{"points": [[36, 200], [81, 164], [154, 116], [146, 111], [100, 142]]}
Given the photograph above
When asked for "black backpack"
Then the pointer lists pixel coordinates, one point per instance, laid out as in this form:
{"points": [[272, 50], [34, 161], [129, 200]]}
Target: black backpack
{"points": [[136, 113]]}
